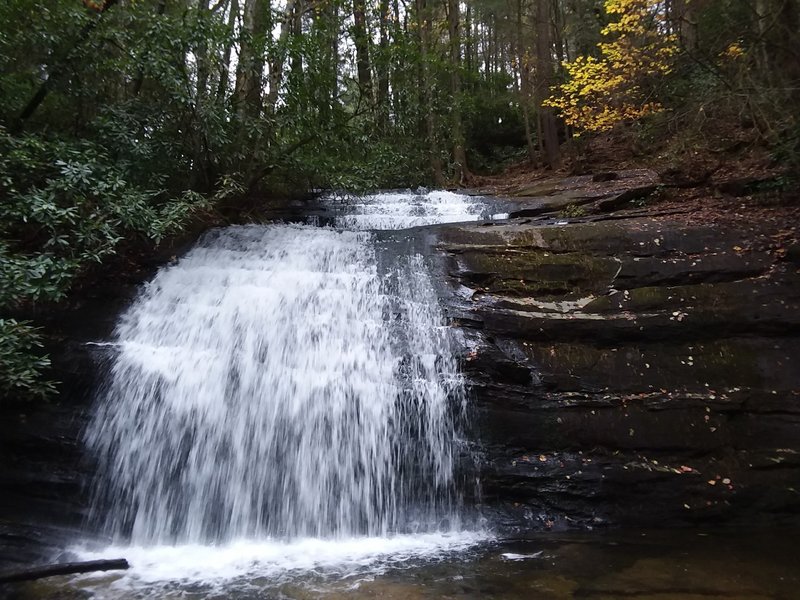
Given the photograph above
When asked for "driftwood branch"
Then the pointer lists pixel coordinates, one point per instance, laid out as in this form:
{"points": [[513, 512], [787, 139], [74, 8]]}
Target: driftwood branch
{"points": [[63, 569]]}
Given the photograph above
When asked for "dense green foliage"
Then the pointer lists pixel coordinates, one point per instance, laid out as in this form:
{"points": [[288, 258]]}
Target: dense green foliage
{"points": [[66, 205], [121, 119]]}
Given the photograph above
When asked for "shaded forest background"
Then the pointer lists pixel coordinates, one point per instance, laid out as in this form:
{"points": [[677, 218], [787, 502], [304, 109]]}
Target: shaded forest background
{"points": [[123, 120]]}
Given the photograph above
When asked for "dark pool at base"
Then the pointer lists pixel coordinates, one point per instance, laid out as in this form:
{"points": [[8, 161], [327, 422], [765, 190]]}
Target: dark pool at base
{"points": [[659, 565]]}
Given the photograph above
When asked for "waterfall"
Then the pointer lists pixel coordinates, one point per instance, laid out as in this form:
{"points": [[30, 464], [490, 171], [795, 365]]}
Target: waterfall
{"points": [[284, 382]]}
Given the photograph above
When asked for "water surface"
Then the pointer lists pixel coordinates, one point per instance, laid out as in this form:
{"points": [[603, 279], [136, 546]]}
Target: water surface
{"points": [[652, 565]]}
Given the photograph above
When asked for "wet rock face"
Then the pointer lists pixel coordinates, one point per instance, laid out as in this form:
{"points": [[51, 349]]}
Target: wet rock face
{"points": [[45, 472], [632, 372], [44, 468]]}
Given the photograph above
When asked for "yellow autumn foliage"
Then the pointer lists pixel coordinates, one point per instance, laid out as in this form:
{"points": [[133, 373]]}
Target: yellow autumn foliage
{"points": [[601, 92], [733, 52]]}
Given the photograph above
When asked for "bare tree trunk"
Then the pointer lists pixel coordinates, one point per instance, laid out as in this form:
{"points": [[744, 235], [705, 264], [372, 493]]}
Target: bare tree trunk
{"points": [[459, 155], [788, 43], [199, 174], [297, 31], [225, 71], [424, 19], [683, 15], [361, 42], [523, 59], [202, 56], [382, 66], [495, 52], [333, 49], [558, 30], [783, 42], [469, 43], [487, 48], [544, 76], [397, 101], [244, 65], [762, 10], [250, 69], [279, 57], [539, 136]]}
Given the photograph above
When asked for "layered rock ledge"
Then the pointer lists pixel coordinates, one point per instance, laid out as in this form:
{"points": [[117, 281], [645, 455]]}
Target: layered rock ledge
{"points": [[634, 371]]}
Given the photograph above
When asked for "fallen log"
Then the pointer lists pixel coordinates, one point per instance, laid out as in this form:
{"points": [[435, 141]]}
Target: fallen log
{"points": [[88, 566]]}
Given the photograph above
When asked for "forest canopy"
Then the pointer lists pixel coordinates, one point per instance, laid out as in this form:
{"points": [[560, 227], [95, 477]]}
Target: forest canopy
{"points": [[124, 119]]}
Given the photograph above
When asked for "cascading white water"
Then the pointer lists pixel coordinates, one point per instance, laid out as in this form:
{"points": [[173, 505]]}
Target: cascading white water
{"points": [[275, 384], [271, 383]]}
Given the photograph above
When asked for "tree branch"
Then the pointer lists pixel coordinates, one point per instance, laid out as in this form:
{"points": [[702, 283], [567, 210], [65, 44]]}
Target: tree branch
{"points": [[63, 569], [44, 88]]}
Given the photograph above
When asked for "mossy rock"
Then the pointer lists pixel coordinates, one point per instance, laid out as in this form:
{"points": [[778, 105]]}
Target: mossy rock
{"points": [[536, 273]]}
